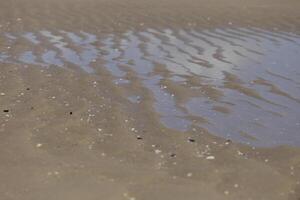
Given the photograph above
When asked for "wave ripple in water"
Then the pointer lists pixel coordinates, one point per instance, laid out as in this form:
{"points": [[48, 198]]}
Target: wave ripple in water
{"points": [[239, 83]]}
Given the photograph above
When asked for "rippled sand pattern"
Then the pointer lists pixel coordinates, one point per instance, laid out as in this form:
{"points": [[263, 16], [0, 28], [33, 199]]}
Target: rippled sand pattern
{"points": [[239, 83], [149, 99]]}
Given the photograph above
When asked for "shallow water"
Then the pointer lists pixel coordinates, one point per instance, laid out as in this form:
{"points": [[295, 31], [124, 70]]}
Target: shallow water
{"points": [[239, 83]]}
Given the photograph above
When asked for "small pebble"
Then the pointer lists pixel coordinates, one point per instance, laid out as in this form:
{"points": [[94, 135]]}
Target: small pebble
{"points": [[191, 140], [133, 129], [228, 141], [173, 155], [157, 151], [39, 145], [210, 158], [189, 174], [6, 110]]}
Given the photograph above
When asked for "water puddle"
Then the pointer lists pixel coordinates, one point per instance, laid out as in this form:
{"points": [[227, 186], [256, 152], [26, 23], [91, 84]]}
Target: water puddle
{"points": [[239, 83]]}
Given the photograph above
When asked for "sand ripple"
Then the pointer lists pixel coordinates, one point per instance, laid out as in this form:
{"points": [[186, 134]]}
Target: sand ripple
{"points": [[239, 83]]}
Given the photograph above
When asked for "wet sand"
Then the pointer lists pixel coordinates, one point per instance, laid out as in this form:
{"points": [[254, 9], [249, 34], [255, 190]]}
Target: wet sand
{"points": [[149, 99]]}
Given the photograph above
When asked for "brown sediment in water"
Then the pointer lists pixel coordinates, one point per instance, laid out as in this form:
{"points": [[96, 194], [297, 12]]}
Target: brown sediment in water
{"points": [[149, 99]]}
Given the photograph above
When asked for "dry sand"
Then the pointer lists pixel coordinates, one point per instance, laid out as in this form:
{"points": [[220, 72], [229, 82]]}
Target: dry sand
{"points": [[145, 99]]}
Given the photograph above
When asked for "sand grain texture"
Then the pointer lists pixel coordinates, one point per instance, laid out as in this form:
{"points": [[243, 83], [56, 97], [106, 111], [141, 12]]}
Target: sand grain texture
{"points": [[149, 100]]}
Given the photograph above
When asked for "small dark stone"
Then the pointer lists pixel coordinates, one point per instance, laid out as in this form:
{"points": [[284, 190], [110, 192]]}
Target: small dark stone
{"points": [[139, 138], [191, 140], [71, 113], [173, 155], [6, 110], [27, 88], [32, 108]]}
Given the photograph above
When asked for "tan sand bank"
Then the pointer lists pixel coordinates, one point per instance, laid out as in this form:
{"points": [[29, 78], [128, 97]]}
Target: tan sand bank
{"points": [[149, 100]]}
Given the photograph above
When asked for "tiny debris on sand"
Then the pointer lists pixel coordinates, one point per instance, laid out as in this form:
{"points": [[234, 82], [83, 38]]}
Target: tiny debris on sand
{"points": [[210, 157], [39, 145]]}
